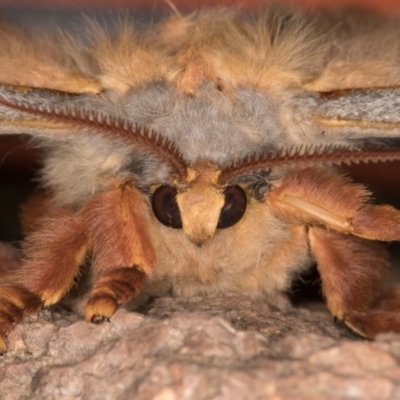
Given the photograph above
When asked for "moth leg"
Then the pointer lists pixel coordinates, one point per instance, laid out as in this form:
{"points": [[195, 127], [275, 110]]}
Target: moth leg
{"points": [[384, 316], [318, 197], [112, 290], [53, 255], [353, 272], [377, 223], [122, 251], [15, 301]]}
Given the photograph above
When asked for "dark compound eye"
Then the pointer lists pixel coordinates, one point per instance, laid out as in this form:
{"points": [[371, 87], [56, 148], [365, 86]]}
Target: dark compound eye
{"points": [[234, 207], [166, 208]]}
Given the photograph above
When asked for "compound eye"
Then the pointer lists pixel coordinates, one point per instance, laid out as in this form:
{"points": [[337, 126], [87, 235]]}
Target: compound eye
{"points": [[166, 208], [234, 207]]}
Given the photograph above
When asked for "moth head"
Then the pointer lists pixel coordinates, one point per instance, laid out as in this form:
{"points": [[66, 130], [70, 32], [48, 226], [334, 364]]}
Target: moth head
{"points": [[202, 197], [200, 205]]}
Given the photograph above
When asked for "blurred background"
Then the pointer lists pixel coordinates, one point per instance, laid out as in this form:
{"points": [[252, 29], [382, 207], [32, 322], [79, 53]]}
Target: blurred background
{"points": [[151, 6], [18, 162]]}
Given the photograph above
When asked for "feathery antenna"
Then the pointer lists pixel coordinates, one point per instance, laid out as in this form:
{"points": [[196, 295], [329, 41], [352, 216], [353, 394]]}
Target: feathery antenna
{"points": [[110, 127], [164, 150], [302, 157]]}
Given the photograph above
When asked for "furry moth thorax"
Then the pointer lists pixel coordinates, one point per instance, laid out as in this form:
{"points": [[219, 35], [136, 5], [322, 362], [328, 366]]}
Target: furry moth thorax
{"points": [[196, 158]]}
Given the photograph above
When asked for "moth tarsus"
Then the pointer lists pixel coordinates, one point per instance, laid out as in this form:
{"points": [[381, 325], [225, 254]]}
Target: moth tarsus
{"points": [[201, 157]]}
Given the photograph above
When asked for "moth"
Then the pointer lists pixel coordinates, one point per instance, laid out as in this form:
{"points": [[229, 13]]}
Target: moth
{"points": [[202, 156]]}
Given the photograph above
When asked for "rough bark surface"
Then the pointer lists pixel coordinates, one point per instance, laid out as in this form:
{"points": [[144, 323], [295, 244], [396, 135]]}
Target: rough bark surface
{"points": [[201, 348]]}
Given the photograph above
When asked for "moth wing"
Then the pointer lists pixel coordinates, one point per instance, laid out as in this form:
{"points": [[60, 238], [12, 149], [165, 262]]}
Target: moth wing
{"points": [[358, 113], [48, 60], [352, 102], [41, 70], [14, 120]]}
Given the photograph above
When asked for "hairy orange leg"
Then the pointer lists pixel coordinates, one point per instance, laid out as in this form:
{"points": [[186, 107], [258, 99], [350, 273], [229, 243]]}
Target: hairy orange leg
{"points": [[122, 251], [383, 316], [318, 197], [111, 290], [353, 272], [15, 301], [53, 254], [352, 269]]}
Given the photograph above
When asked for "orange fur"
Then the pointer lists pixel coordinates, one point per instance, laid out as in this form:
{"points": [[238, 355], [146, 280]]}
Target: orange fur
{"points": [[383, 316], [319, 188], [215, 45], [117, 229], [134, 61], [372, 322], [276, 81], [112, 289], [313, 196], [32, 61], [377, 223], [20, 297], [15, 301], [113, 224], [53, 254], [352, 270], [200, 201]]}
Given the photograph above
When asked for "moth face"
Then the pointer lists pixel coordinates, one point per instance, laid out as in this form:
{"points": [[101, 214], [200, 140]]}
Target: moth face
{"points": [[199, 206]]}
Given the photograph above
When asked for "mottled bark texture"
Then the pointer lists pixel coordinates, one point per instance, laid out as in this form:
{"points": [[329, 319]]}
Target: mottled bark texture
{"points": [[202, 348]]}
